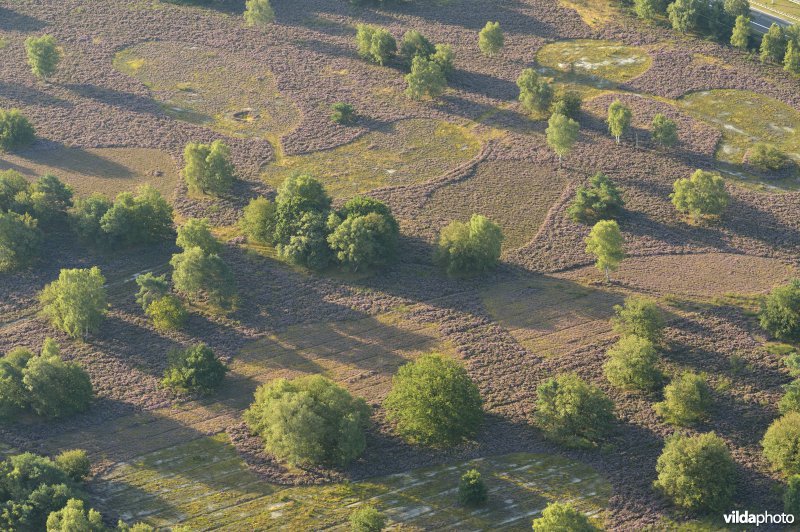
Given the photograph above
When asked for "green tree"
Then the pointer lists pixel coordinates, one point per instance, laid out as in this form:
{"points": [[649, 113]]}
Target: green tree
{"points": [[207, 167], [309, 420], [780, 312], [307, 193], [258, 12], [790, 402], [75, 302], [56, 388], [364, 241], [13, 187], [14, 396], [491, 39], [781, 444], [86, 216], [167, 313], [375, 44], [686, 399], [20, 240], [366, 519], [151, 287], [195, 272], [301, 212], [342, 113], [445, 58], [737, 8], [414, 44], [605, 242], [717, 22], [697, 472], [196, 232], [703, 194], [43, 55], [562, 133], [791, 61], [426, 79], [194, 370], [560, 516], [472, 247], [74, 518], [665, 131], [567, 103], [75, 463], [773, 44], [472, 489], [639, 316], [433, 401], [648, 9], [632, 364], [136, 219], [258, 221], [573, 412], [791, 497], [619, 119], [600, 200], [535, 93], [308, 245], [15, 130], [767, 157], [48, 198], [684, 15], [740, 38]]}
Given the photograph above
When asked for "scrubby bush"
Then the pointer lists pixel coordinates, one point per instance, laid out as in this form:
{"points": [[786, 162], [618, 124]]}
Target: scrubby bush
{"points": [[767, 157], [790, 402], [20, 240], [686, 399], [535, 93], [567, 103], [342, 113], [471, 489], [375, 44], [196, 232], [367, 519], [573, 412], [258, 221], [135, 219], [195, 272], [619, 119], [414, 44], [491, 39], [703, 194], [75, 302], [791, 497], [15, 130], [605, 242], [194, 370], [665, 131], [433, 401], [258, 12], [639, 316], [445, 58], [697, 472], [601, 200], [207, 167], [309, 420], [562, 517], [632, 364], [561, 134], [75, 464], [781, 444], [780, 312], [151, 288], [43, 55], [472, 247], [167, 313], [426, 79]]}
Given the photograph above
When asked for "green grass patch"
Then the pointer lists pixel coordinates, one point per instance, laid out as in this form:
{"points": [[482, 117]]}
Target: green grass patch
{"points": [[202, 85], [204, 484], [402, 153]]}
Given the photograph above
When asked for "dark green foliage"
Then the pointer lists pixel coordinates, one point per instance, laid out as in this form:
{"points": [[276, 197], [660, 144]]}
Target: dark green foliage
{"points": [[426, 79], [13, 186], [444, 57], [342, 113], [195, 272], [685, 15], [151, 287], [132, 220], [562, 517], [308, 245], [535, 93], [601, 200], [13, 393], [790, 402], [468, 248], [75, 464], [649, 9], [573, 412], [780, 312], [364, 234], [471, 489], [86, 216], [258, 221], [773, 44], [301, 228], [639, 316], [20, 240], [375, 44], [414, 44], [567, 103], [632, 364], [737, 8], [195, 370], [167, 313], [791, 60], [196, 232], [49, 198], [433, 401], [703, 194], [76, 302], [304, 193], [716, 22], [491, 39], [15, 130], [367, 519], [767, 157], [309, 420], [686, 399], [791, 497], [697, 472], [665, 131], [781, 444], [43, 55], [207, 167]]}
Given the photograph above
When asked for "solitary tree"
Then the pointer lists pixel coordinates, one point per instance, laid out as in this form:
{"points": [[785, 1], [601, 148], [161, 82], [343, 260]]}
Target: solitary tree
{"points": [[686, 399], [258, 12], [342, 113], [535, 93], [195, 369], [605, 242], [367, 519], [601, 200], [703, 194], [43, 55], [638, 316], [561, 516], [780, 312], [665, 131], [491, 39], [426, 79], [740, 38], [195, 272], [781, 444], [20, 240], [472, 489], [76, 301], [472, 247], [562, 132], [207, 167], [619, 119], [632, 364], [773, 44], [15, 130]]}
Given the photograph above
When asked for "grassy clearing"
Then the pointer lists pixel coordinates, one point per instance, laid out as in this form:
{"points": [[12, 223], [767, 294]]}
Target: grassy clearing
{"points": [[593, 12], [744, 118], [551, 317], [204, 484], [105, 170], [514, 194], [403, 153], [205, 86]]}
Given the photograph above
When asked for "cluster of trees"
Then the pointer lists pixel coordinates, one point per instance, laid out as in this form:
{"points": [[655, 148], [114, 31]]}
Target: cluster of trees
{"points": [[717, 18], [466, 248], [701, 195], [305, 230], [198, 271], [782, 45], [165, 309], [207, 168], [632, 361]]}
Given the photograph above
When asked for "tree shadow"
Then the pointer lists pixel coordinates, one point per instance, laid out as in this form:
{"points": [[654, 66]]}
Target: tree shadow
{"points": [[73, 160], [14, 21], [30, 95], [123, 100]]}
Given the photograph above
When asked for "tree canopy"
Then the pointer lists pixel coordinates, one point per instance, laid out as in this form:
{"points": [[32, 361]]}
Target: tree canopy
{"points": [[471, 247], [605, 242], [76, 302]]}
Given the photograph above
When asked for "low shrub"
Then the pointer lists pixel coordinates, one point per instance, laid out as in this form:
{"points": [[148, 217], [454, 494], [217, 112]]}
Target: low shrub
{"points": [[195, 369], [686, 399], [781, 444], [471, 489]]}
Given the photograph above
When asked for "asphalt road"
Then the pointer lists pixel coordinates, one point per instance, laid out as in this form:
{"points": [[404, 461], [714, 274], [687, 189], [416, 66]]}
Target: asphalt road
{"points": [[762, 21]]}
